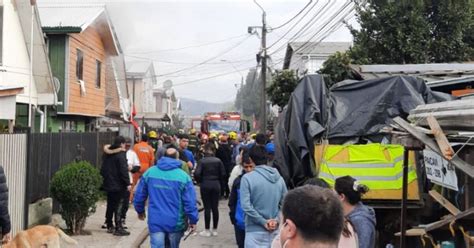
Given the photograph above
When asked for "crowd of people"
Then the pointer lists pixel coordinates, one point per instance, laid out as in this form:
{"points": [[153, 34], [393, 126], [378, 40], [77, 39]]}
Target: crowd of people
{"points": [[161, 171]]}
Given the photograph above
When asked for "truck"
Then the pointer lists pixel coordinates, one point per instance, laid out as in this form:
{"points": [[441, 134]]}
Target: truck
{"points": [[219, 122]]}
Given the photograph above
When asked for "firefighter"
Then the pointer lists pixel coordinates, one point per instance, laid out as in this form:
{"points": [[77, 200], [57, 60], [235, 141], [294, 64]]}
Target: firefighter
{"points": [[193, 145], [153, 140]]}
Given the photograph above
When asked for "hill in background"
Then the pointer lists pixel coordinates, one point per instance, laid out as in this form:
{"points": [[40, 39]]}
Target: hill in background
{"points": [[190, 107]]}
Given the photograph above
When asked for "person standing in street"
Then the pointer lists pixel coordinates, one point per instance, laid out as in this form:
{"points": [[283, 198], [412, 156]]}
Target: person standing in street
{"points": [[224, 153], [210, 172], [193, 145], [237, 216], [171, 201], [316, 223], [146, 155], [116, 183], [362, 217], [133, 166], [185, 154], [262, 192], [4, 215]]}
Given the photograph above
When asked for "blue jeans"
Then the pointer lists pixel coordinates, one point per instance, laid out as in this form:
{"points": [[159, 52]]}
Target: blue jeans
{"points": [[157, 240], [259, 239]]}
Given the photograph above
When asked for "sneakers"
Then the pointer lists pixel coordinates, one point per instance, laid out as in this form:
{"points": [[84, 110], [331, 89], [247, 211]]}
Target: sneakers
{"points": [[121, 232], [205, 233], [214, 232], [123, 224], [110, 229]]}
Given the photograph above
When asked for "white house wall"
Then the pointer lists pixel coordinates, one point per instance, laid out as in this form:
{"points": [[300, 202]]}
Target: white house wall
{"points": [[15, 68]]}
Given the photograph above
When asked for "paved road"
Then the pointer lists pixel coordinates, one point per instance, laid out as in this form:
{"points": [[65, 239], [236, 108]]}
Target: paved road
{"points": [[225, 238]]}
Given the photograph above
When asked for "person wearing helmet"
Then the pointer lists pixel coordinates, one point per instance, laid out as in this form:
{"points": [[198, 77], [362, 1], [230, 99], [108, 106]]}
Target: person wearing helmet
{"points": [[193, 145], [153, 140]]}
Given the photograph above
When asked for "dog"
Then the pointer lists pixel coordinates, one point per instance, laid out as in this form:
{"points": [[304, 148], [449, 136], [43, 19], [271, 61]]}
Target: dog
{"points": [[39, 237]]}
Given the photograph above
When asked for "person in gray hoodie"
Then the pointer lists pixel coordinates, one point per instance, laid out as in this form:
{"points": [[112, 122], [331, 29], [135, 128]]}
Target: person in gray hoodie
{"points": [[362, 217], [262, 192]]}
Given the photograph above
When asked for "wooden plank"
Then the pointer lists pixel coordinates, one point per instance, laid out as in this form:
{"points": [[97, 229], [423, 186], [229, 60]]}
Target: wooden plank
{"points": [[441, 139], [445, 203], [414, 232], [456, 161]]}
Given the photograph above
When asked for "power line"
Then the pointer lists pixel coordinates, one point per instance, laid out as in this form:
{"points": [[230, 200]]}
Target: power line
{"points": [[182, 63], [305, 27], [291, 19], [187, 47], [294, 25], [207, 60]]}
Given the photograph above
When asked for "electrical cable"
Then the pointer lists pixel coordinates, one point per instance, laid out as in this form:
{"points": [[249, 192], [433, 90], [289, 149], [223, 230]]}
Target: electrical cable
{"points": [[304, 28], [187, 47], [294, 25], [207, 60], [291, 19]]}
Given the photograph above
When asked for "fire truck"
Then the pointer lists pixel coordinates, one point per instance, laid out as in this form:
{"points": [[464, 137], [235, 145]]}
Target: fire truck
{"points": [[220, 122]]}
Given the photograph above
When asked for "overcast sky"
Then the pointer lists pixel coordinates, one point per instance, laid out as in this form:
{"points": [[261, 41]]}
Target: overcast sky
{"points": [[180, 38]]}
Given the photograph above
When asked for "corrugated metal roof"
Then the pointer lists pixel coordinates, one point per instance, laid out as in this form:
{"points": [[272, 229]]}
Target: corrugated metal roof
{"points": [[319, 47], [435, 75], [62, 16]]}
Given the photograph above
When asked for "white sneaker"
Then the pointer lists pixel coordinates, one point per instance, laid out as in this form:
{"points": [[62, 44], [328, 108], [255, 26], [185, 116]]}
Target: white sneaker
{"points": [[214, 232], [205, 233]]}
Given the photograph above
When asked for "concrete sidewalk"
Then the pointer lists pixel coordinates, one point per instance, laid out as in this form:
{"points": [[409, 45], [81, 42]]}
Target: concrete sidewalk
{"points": [[100, 238]]}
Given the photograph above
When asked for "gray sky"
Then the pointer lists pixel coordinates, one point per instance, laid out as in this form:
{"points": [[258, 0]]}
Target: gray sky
{"points": [[156, 30]]}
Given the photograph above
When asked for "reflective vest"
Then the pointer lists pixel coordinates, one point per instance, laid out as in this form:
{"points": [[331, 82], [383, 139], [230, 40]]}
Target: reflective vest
{"points": [[375, 165]]}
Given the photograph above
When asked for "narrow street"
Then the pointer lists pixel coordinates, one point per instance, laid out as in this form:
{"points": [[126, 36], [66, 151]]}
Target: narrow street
{"points": [[223, 240]]}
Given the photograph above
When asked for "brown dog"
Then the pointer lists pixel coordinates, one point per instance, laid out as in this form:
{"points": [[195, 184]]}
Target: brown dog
{"points": [[38, 237]]}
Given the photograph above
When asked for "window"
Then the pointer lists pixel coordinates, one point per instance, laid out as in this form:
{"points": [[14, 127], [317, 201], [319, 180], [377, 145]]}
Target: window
{"points": [[79, 64], [1, 33], [98, 69]]}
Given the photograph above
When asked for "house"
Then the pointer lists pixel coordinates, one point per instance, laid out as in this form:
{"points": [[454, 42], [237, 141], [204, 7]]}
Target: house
{"points": [[88, 63], [151, 100], [142, 81], [308, 57], [453, 78], [25, 72]]}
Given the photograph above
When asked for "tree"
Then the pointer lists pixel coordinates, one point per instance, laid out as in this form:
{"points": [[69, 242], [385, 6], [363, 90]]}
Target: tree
{"points": [[408, 32], [284, 83], [248, 96], [337, 68]]}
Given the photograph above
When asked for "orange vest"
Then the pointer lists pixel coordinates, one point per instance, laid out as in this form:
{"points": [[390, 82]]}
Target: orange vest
{"points": [[145, 155]]}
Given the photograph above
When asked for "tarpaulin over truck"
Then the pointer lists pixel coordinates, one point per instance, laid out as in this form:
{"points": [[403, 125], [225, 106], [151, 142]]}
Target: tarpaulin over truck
{"points": [[349, 110]]}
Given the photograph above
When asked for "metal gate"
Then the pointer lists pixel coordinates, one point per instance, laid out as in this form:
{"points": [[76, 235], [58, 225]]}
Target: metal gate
{"points": [[13, 157]]}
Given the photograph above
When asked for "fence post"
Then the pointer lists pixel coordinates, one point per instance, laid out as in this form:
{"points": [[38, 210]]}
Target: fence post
{"points": [[27, 176]]}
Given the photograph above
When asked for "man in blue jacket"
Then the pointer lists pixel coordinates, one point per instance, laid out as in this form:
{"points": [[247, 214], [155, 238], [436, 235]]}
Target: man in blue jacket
{"points": [[262, 192], [172, 200]]}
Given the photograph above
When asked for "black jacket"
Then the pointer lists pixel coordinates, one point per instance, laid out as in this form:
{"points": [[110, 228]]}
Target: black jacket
{"points": [[4, 216], [233, 198], [209, 169], [224, 153], [114, 170]]}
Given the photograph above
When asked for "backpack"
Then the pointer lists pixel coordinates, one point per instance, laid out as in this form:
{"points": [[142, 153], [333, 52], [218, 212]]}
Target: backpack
{"points": [[239, 213]]}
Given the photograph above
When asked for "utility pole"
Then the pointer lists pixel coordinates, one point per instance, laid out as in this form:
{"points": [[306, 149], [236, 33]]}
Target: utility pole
{"points": [[263, 57], [263, 107]]}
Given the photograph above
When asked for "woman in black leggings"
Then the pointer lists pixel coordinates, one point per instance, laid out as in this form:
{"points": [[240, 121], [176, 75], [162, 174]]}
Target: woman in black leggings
{"points": [[209, 173]]}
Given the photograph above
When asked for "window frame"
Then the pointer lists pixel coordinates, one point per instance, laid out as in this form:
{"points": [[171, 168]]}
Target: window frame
{"points": [[79, 64], [98, 74]]}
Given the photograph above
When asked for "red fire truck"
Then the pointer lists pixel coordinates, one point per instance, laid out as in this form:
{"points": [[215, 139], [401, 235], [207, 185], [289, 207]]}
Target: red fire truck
{"points": [[220, 122]]}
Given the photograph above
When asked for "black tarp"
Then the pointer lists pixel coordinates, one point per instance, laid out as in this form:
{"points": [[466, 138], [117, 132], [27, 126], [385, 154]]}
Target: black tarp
{"points": [[351, 109]]}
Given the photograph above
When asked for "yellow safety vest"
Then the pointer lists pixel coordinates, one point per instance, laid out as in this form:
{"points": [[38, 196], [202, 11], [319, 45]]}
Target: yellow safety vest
{"points": [[375, 165]]}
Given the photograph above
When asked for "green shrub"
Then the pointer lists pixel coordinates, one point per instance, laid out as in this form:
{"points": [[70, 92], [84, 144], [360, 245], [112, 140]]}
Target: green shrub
{"points": [[76, 187]]}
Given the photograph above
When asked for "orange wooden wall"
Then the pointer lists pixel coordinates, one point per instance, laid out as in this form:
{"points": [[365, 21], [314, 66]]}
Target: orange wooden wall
{"points": [[93, 102]]}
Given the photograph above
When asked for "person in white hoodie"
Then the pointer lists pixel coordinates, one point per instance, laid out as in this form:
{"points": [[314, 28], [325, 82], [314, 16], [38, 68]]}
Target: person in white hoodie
{"points": [[133, 166]]}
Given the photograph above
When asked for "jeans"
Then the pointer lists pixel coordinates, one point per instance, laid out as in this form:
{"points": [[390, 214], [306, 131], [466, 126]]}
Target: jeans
{"points": [[157, 240], [259, 239], [125, 204]]}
